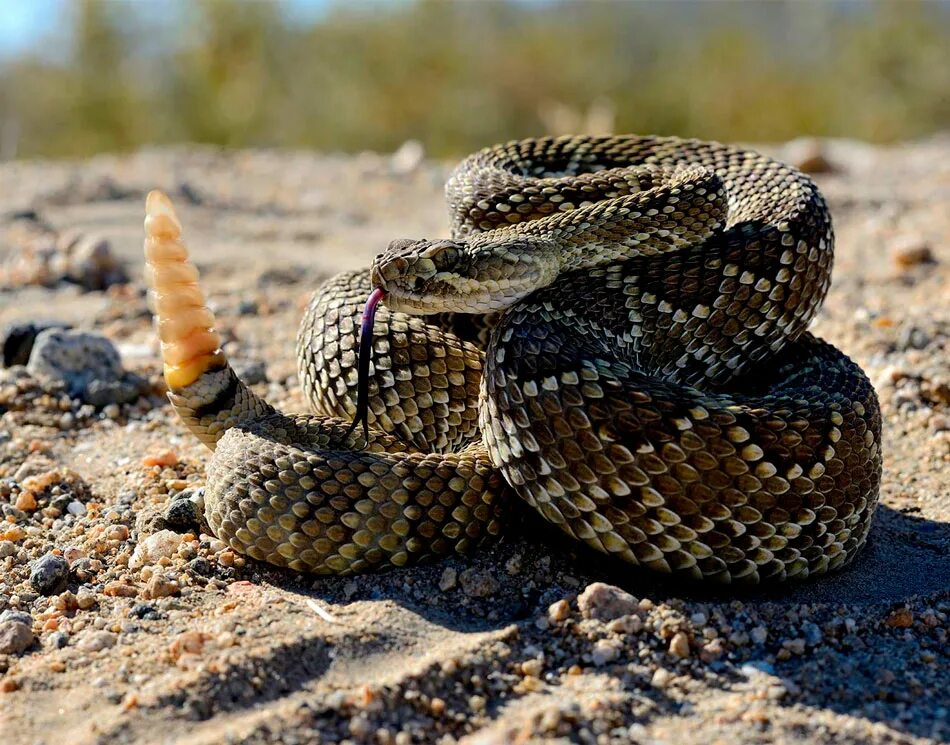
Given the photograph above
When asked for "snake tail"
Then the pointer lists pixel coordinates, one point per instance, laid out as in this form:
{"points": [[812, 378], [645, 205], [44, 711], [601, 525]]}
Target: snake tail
{"points": [[203, 388]]}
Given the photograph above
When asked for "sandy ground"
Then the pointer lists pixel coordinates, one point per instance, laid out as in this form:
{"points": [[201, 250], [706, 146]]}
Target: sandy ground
{"points": [[192, 644]]}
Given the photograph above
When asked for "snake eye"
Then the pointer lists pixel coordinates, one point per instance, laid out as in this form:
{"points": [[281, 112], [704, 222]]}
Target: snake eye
{"points": [[444, 254], [418, 283]]}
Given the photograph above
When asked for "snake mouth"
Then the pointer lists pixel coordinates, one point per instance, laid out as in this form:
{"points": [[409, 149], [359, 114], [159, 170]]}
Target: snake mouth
{"points": [[365, 354]]}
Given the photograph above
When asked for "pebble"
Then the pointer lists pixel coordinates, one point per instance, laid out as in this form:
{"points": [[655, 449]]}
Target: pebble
{"points": [[407, 158], [25, 501], [85, 599], [661, 678], [57, 640], [605, 651], [807, 154], [912, 253], [183, 513], [161, 458], [7, 548], [97, 640], [146, 612], [901, 618], [88, 260], [679, 645], [795, 646], [49, 574], [15, 637], [812, 633], [448, 580], [163, 544], [119, 589], [603, 602], [559, 611], [478, 583], [251, 371], [161, 587], [85, 569], [759, 635], [16, 615]]}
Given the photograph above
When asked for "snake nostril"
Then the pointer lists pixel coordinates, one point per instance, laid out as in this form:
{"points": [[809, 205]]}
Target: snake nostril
{"points": [[418, 283]]}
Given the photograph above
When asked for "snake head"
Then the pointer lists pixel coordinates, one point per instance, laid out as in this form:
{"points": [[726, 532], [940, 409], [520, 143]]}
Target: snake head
{"points": [[477, 275]]}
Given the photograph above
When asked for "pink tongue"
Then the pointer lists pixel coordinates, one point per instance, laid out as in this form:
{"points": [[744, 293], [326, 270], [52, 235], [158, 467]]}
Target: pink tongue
{"points": [[362, 368]]}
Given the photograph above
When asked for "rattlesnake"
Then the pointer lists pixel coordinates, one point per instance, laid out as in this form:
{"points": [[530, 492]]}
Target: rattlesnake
{"points": [[615, 333]]}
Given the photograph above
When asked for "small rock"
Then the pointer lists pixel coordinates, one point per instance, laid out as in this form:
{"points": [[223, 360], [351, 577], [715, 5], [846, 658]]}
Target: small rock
{"points": [[604, 602], [119, 589], [679, 645], [759, 635], [201, 567], [901, 618], [57, 640], [187, 642], [812, 633], [448, 580], [912, 253], [15, 637], [163, 458], [88, 260], [757, 667], [87, 364], [407, 158], [626, 625], [712, 650], [183, 514], [795, 646], [661, 678], [84, 569], [85, 599], [605, 651], [162, 544], [7, 548], [25, 501], [49, 574], [160, 587], [16, 615], [146, 612], [559, 611], [250, 371], [807, 154], [477, 583], [95, 641]]}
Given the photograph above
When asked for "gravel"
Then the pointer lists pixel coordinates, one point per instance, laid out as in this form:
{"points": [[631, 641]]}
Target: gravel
{"points": [[161, 628]]}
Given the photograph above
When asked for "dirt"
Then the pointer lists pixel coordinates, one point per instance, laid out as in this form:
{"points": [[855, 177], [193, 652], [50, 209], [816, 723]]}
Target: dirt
{"points": [[170, 637]]}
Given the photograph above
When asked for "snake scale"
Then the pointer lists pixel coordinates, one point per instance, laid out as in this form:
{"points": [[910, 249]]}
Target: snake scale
{"points": [[615, 332]]}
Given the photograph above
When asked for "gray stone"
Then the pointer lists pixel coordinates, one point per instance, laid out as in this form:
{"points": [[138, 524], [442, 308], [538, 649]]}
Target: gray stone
{"points": [[15, 637], [49, 574], [87, 364]]}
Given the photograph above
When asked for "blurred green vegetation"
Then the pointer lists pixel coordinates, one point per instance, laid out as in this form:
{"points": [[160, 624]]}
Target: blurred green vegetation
{"points": [[458, 76]]}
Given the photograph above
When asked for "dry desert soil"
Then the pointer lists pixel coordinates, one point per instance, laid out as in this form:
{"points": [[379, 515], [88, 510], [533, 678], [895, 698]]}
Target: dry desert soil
{"points": [[122, 624]]}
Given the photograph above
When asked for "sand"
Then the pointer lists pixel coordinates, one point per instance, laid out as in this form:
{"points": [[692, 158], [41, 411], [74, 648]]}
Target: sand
{"points": [[162, 637]]}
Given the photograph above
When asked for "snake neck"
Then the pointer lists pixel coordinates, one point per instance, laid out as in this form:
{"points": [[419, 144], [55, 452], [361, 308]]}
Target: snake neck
{"points": [[203, 388]]}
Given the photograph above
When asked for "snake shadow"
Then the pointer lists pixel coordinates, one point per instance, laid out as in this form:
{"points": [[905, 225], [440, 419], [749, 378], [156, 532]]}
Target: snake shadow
{"points": [[905, 556]]}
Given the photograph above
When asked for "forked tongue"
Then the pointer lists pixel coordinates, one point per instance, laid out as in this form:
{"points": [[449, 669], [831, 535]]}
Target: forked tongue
{"points": [[362, 368]]}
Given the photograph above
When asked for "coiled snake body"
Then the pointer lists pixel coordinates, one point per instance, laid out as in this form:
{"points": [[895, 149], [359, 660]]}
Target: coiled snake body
{"points": [[615, 332]]}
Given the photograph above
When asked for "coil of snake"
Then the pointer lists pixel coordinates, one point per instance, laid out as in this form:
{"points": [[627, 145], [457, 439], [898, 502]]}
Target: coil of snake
{"points": [[615, 333]]}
